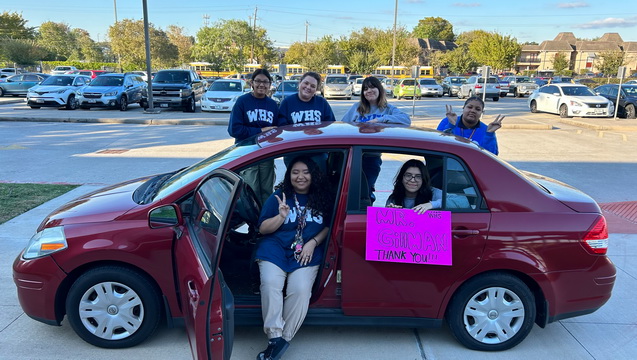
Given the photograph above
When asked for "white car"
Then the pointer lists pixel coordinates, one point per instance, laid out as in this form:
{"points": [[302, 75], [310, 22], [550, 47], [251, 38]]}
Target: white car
{"points": [[60, 70], [567, 100], [358, 86], [57, 91], [429, 87], [222, 94], [388, 84]]}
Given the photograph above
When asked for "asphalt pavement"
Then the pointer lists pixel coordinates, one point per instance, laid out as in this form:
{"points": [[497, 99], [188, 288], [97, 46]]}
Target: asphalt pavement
{"points": [[609, 333]]}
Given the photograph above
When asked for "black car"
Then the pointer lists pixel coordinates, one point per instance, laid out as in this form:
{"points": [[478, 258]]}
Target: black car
{"points": [[627, 98]]}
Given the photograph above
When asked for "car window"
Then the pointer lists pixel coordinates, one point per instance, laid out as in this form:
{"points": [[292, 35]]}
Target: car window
{"points": [[58, 81], [630, 90], [336, 80], [410, 82], [226, 86], [171, 77], [604, 90], [107, 81], [457, 80], [428, 82], [577, 91], [31, 78]]}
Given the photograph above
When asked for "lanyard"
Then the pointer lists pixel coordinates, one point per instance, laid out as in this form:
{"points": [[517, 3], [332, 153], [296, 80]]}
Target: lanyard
{"points": [[297, 244]]}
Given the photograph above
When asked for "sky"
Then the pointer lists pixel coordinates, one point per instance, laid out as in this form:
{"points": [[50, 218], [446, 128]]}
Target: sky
{"points": [[286, 21]]}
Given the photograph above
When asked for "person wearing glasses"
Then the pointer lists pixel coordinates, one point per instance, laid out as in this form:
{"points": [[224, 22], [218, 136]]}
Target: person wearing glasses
{"points": [[252, 114], [413, 190]]}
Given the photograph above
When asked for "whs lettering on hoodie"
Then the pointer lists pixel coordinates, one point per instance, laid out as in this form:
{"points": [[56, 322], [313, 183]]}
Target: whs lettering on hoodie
{"points": [[306, 116], [260, 115]]}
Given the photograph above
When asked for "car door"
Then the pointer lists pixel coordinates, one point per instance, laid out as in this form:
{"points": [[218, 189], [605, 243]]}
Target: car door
{"points": [[207, 303]]}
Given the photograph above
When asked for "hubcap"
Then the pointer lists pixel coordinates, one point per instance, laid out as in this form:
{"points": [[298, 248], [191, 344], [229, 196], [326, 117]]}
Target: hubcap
{"points": [[493, 315]]}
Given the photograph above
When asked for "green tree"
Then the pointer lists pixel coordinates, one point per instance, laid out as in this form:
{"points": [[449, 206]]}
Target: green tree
{"points": [[362, 62], [608, 62], [377, 44], [13, 26], [21, 51], [315, 55], [495, 50], [560, 63], [86, 49], [435, 28], [128, 42], [57, 39], [183, 43], [467, 37], [459, 60]]}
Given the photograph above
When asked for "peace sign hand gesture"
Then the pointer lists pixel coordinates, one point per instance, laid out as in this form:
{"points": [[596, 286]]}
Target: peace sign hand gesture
{"points": [[284, 208], [496, 124], [452, 117]]}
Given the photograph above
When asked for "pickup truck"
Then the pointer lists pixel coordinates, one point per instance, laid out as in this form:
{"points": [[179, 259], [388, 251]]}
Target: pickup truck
{"points": [[520, 85], [178, 88]]}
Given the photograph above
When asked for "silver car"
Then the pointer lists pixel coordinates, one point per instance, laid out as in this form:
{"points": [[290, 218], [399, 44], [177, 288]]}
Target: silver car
{"points": [[520, 85], [475, 86], [337, 86], [429, 87]]}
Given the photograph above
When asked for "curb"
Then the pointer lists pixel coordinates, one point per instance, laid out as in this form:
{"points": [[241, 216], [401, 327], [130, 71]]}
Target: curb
{"points": [[116, 121], [598, 127]]}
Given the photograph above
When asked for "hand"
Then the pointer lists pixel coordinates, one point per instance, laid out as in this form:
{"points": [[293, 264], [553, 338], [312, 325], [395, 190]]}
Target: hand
{"points": [[496, 124], [392, 205], [421, 208], [307, 252], [451, 116], [284, 208], [267, 128]]}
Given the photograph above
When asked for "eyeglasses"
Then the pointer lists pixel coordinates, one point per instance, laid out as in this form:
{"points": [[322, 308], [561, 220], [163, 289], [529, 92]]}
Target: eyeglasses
{"points": [[410, 176], [259, 82]]}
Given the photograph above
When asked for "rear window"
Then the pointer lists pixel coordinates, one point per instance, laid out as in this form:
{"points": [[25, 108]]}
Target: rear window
{"points": [[428, 82], [107, 81], [336, 80], [226, 86], [409, 82]]}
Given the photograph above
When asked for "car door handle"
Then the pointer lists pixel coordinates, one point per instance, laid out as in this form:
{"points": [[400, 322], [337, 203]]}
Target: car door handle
{"points": [[192, 291], [464, 232]]}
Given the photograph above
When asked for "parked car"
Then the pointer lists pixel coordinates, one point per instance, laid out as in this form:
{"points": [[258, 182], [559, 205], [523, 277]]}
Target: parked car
{"points": [[357, 87], [285, 89], [142, 74], [179, 245], [567, 100], [429, 87], [389, 84], [6, 72], [91, 73], [475, 86], [222, 95], [627, 98], [113, 91], [61, 70], [178, 88], [451, 85], [561, 79], [57, 91], [407, 87], [504, 86], [337, 86], [520, 85], [540, 82], [351, 78], [19, 84], [631, 82]]}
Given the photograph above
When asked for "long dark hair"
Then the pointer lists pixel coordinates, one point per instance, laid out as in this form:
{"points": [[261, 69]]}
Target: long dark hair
{"points": [[364, 106], [319, 196], [423, 195]]}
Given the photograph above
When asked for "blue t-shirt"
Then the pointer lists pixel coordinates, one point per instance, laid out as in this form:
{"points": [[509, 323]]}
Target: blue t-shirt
{"points": [[275, 247], [250, 114], [477, 134], [293, 110]]}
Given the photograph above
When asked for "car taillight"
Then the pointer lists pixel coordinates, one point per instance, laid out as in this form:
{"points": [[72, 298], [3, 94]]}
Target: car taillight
{"points": [[596, 239], [478, 86]]}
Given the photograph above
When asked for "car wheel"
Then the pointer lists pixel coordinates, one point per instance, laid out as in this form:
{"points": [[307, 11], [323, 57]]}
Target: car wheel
{"points": [[496, 98], [492, 312], [191, 106], [143, 103], [349, 98], [419, 97], [460, 94], [34, 107], [1, 92], [113, 307], [533, 106], [123, 104], [630, 111], [516, 93], [563, 111], [71, 103]]}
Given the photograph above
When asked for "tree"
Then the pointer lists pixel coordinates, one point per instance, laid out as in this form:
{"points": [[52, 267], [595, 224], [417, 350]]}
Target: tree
{"points": [[608, 62], [495, 50], [57, 39], [362, 62], [459, 60], [86, 49], [182, 42], [560, 63], [377, 45], [435, 28], [467, 37], [13, 26], [315, 55], [128, 42], [21, 51]]}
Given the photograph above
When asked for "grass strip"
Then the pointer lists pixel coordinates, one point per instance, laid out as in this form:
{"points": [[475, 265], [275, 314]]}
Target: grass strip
{"points": [[16, 199]]}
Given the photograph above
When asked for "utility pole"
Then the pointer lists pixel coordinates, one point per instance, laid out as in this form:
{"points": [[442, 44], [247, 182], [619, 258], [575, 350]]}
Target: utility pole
{"points": [[393, 48], [119, 58], [306, 25], [115, 9], [206, 17], [254, 29]]}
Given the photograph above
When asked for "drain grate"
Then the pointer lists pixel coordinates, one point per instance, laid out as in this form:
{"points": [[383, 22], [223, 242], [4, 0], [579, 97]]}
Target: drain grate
{"points": [[112, 151]]}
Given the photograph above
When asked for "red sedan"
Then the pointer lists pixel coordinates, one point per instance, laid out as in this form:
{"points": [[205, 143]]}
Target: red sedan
{"points": [[517, 249]]}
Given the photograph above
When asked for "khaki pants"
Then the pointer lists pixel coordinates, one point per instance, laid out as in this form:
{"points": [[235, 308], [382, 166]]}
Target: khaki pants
{"points": [[261, 178], [283, 317]]}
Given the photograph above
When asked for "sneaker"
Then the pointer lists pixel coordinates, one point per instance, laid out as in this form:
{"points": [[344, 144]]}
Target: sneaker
{"points": [[274, 351]]}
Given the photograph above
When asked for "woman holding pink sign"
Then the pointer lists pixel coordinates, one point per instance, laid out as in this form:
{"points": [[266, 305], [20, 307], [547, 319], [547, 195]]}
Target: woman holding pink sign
{"points": [[413, 190]]}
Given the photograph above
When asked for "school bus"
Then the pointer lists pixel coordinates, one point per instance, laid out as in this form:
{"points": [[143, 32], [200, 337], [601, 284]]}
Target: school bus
{"points": [[401, 72]]}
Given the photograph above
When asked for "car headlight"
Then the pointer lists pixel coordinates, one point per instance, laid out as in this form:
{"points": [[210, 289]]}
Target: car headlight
{"points": [[60, 91], [30, 91], [576, 103], [46, 242], [235, 98], [112, 93], [185, 92]]}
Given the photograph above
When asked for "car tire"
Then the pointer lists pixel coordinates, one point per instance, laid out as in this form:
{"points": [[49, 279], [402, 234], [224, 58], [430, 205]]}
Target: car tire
{"points": [[34, 107], [492, 312], [630, 111], [563, 111], [191, 106], [497, 98], [123, 104], [143, 104], [460, 96], [399, 97], [533, 106], [71, 103], [125, 296], [516, 93], [419, 97], [349, 98], [1, 92]]}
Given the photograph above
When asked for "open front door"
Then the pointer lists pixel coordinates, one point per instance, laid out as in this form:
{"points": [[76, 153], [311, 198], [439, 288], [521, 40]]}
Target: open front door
{"points": [[207, 303]]}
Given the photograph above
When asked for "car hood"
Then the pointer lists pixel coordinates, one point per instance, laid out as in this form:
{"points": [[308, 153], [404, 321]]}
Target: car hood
{"points": [[337, 86], [103, 205], [50, 88], [566, 194], [588, 99], [102, 89], [165, 86]]}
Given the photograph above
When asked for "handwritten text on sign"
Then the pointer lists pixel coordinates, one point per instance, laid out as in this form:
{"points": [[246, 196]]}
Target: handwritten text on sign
{"points": [[401, 235]]}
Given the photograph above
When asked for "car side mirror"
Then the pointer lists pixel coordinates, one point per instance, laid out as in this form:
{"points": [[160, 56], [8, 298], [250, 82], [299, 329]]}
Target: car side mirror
{"points": [[556, 94], [165, 216]]}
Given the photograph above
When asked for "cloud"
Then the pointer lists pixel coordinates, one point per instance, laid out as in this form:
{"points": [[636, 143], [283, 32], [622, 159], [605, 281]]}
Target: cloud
{"points": [[466, 4], [609, 23], [572, 5]]}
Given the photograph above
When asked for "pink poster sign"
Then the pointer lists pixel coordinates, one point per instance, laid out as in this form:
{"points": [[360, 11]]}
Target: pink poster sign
{"points": [[403, 236]]}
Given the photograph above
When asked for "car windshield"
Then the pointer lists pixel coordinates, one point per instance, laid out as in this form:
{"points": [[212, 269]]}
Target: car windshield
{"points": [[58, 81], [630, 90], [523, 79], [200, 169], [490, 80], [428, 82], [578, 91], [336, 80], [457, 80], [107, 81], [226, 86], [409, 82], [288, 86], [171, 77]]}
